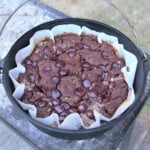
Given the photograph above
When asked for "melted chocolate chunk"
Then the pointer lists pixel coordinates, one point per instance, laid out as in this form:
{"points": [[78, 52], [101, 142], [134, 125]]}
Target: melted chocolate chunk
{"points": [[105, 83], [40, 103], [48, 93], [114, 65], [80, 91], [81, 108], [90, 114], [56, 102], [28, 62], [47, 69], [66, 106], [73, 110], [93, 93], [34, 64], [58, 109], [31, 78], [61, 118], [64, 113], [86, 66], [71, 53], [102, 67], [60, 63], [86, 83], [105, 55], [55, 80], [79, 46], [64, 72], [59, 51], [56, 94]]}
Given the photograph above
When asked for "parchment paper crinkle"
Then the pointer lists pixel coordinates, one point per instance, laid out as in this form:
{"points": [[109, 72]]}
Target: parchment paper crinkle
{"points": [[73, 121]]}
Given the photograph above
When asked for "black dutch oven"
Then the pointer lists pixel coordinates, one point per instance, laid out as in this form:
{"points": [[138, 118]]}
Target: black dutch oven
{"points": [[139, 83]]}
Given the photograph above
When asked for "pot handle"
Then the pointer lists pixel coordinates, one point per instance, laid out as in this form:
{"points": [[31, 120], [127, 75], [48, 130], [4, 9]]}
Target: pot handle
{"points": [[147, 64], [1, 69], [138, 41]]}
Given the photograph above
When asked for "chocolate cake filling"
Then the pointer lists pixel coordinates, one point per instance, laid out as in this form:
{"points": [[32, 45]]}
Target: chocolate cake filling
{"points": [[74, 74]]}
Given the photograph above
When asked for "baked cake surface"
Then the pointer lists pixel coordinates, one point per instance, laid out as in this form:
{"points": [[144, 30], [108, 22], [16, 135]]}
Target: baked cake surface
{"points": [[74, 74]]}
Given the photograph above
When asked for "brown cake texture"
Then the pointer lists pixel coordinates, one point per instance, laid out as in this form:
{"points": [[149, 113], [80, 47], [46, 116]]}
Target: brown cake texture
{"points": [[74, 74]]}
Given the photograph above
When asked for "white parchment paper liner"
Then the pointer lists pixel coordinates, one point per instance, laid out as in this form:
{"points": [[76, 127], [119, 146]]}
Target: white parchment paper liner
{"points": [[73, 121]]}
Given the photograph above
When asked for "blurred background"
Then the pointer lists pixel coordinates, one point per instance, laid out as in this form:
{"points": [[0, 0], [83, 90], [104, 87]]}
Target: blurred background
{"points": [[137, 11]]}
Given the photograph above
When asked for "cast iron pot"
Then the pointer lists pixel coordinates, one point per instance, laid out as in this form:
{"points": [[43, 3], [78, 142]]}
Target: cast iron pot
{"points": [[139, 83]]}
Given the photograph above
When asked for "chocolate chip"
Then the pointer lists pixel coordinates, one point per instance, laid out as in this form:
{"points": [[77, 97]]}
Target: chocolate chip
{"points": [[65, 106], [111, 85], [71, 53], [86, 46], [102, 67], [31, 78], [56, 102], [59, 51], [106, 83], [93, 93], [60, 63], [71, 48], [105, 112], [80, 91], [64, 113], [45, 56], [48, 93], [105, 55], [83, 101], [86, 66], [55, 80], [105, 75], [40, 103], [61, 118], [79, 46], [58, 109], [47, 69], [34, 63], [28, 62], [94, 84], [46, 50], [81, 108], [86, 83], [119, 62], [64, 72], [73, 110], [56, 94], [114, 65], [90, 114]]}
